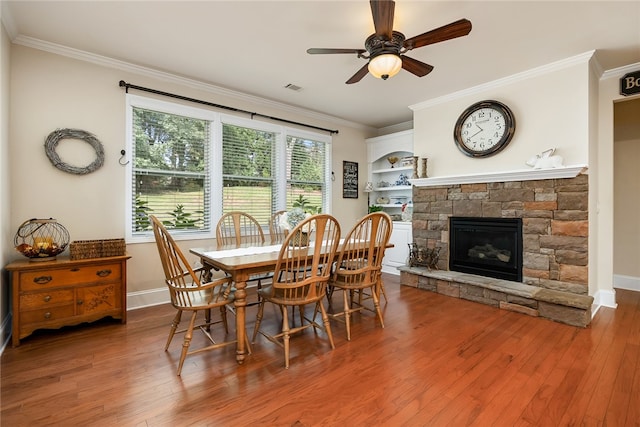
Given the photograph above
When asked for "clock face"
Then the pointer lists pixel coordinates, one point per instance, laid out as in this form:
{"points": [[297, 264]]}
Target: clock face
{"points": [[484, 129]]}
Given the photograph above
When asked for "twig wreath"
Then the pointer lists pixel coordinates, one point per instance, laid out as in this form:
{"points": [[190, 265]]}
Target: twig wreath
{"points": [[51, 143]]}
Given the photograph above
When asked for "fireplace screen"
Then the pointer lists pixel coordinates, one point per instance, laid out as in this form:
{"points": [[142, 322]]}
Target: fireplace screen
{"points": [[489, 247]]}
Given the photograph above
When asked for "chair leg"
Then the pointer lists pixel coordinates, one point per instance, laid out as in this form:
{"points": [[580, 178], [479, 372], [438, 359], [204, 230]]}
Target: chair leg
{"points": [[380, 288], [293, 315], [247, 343], [347, 314], [327, 326], [174, 326], [376, 304], [207, 319], [223, 313], [256, 327], [187, 341], [285, 336], [330, 290]]}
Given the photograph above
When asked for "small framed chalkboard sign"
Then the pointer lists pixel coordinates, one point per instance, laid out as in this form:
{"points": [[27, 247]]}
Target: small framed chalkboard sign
{"points": [[349, 180]]}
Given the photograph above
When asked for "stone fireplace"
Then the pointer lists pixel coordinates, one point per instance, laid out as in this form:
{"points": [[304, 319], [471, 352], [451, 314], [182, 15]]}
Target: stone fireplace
{"points": [[554, 219]]}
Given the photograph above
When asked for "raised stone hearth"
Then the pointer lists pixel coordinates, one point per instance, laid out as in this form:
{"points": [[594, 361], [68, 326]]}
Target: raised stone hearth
{"points": [[560, 306]]}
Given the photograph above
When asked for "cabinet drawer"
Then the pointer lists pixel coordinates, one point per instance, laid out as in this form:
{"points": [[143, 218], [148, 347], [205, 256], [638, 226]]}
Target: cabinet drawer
{"points": [[96, 299], [46, 299], [36, 280], [48, 314]]}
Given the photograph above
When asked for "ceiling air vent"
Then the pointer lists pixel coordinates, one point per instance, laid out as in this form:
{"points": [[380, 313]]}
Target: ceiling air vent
{"points": [[293, 87]]}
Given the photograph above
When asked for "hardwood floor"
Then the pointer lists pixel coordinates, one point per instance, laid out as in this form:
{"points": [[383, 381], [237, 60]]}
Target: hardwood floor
{"points": [[439, 361]]}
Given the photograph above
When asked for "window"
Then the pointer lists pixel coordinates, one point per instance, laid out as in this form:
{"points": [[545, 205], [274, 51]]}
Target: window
{"points": [[170, 148], [248, 179], [306, 171], [189, 166]]}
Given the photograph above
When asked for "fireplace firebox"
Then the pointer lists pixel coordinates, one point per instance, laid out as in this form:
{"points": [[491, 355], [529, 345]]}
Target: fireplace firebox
{"points": [[490, 247]]}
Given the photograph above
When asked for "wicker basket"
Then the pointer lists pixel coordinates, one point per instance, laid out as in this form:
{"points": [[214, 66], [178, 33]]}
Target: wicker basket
{"points": [[85, 249]]}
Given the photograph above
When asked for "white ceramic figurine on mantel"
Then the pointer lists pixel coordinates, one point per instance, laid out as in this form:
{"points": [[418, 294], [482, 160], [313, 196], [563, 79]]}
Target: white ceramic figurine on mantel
{"points": [[545, 160]]}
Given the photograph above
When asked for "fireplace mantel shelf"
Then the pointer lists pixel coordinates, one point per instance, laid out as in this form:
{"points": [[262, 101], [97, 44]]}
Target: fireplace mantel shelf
{"points": [[502, 176]]}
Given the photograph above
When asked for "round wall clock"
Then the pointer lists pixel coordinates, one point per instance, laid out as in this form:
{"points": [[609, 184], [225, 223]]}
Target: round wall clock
{"points": [[484, 128]]}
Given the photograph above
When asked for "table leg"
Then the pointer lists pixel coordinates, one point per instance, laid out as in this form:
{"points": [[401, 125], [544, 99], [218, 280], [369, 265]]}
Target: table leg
{"points": [[240, 303]]}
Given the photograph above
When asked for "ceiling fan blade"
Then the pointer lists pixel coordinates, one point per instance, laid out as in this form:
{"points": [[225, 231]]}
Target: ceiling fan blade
{"points": [[458, 28], [382, 11], [359, 75], [416, 67], [319, 50]]}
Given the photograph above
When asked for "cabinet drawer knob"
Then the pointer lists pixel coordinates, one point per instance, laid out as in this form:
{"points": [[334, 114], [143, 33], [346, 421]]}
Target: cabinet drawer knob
{"points": [[41, 280], [47, 315], [104, 273], [80, 302], [47, 298]]}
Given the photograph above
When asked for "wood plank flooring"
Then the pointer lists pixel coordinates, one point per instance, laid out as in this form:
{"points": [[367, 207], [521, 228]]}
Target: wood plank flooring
{"points": [[439, 361]]}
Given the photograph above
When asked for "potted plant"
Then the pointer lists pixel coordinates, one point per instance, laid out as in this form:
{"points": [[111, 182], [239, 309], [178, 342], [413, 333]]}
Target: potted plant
{"points": [[303, 203], [301, 211]]}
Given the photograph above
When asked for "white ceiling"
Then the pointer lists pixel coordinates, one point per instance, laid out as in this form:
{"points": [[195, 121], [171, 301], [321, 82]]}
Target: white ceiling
{"points": [[258, 47]]}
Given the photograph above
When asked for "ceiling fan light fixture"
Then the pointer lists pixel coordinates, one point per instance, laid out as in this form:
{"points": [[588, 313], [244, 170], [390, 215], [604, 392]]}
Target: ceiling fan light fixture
{"points": [[385, 65]]}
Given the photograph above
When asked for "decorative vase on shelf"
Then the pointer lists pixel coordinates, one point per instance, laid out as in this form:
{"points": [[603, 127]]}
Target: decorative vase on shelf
{"points": [[424, 167], [415, 168], [407, 213], [393, 160]]}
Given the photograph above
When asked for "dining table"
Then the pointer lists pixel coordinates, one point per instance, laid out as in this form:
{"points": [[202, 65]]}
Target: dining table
{"points": [[241, 263]]}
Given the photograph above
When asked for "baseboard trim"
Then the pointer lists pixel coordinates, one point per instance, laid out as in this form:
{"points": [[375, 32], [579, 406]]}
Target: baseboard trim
{"points": [[630, 283], [390, 269], [148, 298], [603, 299], [5, 333]]}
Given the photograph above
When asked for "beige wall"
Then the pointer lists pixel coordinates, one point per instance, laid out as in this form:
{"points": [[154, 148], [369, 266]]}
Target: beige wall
{"points": [[542, 121], [626, 210], [61, 92], [6, 235]]}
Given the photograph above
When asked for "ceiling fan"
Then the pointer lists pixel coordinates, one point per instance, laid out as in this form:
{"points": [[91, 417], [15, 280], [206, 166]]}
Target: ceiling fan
{"points": [[385, 49]]}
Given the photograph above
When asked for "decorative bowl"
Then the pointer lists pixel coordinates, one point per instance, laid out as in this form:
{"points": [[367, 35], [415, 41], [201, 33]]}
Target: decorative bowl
{"points": [[398, 200], [41, 239]]}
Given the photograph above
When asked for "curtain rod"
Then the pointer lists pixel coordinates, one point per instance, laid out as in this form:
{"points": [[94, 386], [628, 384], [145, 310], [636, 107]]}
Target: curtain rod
{"points": [[128, 86]]}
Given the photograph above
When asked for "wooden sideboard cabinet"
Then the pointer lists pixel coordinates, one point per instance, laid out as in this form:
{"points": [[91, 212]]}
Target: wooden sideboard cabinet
{"points": [[53, 294]]}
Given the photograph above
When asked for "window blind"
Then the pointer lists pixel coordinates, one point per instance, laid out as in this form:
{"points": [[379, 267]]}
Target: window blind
{"points": [[170, 171], [249, 181], [306, 171]]}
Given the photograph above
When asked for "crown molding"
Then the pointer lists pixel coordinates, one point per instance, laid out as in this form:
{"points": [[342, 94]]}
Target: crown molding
{"points": [[106, 61], [525, 75], [620, 71]]}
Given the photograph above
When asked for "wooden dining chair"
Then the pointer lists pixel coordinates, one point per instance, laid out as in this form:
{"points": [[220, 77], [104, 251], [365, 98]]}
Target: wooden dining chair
{"points": [[238, 228], [300, 278], [276, 232], [189, 294], [358, 267]]}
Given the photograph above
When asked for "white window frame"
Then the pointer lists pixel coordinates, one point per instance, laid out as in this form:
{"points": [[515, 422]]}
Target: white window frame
{"points": [[278, 153], [215, 161], [327, 175]]}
